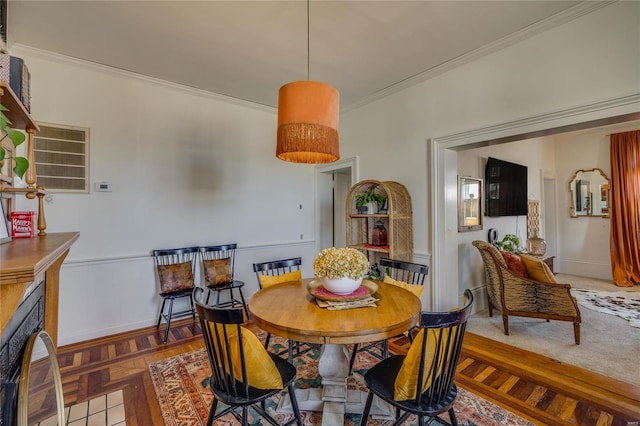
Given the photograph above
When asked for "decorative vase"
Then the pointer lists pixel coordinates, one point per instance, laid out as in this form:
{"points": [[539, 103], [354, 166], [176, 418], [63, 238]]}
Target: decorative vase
{"points": [[379, 234], [535, 245], [344, 285]]}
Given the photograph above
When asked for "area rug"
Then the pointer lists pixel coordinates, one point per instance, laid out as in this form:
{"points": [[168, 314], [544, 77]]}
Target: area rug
{"points": [[625, 304], [185, 401]]}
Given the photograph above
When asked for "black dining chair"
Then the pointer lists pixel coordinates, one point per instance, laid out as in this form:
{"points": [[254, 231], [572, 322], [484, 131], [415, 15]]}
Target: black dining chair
{"points": [[275, 272], [175, 269], [243, 373], [408, 275], [218, 266], [421, 382]]}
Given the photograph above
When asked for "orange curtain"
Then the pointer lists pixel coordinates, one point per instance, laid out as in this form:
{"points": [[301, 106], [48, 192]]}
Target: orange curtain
{"points": [[625, 208]]}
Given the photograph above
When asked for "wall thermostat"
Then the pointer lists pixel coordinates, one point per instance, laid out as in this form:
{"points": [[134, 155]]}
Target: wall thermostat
{"points": [[102, 186]]}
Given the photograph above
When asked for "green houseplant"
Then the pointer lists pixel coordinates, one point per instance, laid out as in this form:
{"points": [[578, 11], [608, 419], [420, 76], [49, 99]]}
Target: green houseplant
{"points": [[510, 243], [369, 201], [17, 138]]}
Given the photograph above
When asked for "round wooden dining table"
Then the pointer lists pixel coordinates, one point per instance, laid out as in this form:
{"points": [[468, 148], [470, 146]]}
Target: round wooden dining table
{"points": [[288, 310]]}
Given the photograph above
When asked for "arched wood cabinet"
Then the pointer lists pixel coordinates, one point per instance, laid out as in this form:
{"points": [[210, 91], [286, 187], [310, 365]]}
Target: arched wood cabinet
{"points": [[395, 214]]}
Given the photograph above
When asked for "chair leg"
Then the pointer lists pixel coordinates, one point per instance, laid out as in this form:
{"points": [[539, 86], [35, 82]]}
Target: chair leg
{"points": [[212, 412], [505, 321], [168, 324], [452, 417], [161, 312], [490, 309], [193, 308], [353, 357], [245, 417], [266, 341], [294, 405], [385, 349], [290, 351], [576, 332], [244, 304], [367, 408]]}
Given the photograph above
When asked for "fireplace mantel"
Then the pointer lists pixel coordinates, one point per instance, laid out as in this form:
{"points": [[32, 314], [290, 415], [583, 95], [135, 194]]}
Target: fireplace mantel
{"points": [[24, 261]]}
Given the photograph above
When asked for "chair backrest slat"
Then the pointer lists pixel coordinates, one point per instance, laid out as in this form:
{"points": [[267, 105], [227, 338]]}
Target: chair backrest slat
{"points": [[400, 270]]}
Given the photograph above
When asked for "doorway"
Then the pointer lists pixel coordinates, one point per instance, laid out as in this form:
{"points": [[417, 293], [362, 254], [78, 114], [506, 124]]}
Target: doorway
{"points": [[333, 182], [442, 159]]}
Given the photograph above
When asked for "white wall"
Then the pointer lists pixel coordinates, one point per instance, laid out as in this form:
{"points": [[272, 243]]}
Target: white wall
{"points": [[471, 162], [187, 168], [590, 59], [583, 242]]}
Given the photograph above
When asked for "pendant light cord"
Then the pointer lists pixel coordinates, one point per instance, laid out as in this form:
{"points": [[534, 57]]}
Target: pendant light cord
{"points": [[308, 49]]}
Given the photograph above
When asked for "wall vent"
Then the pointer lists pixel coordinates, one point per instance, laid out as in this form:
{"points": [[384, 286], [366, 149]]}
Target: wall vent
{"points": [[62, 157]]}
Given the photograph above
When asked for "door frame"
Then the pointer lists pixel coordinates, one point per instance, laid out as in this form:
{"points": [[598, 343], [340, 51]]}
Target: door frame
{"points": [[443, 158], [352, 164]]}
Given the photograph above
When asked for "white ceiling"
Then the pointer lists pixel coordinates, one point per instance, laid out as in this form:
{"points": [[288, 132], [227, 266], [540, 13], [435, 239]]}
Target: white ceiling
{"points": [[248, 49]]}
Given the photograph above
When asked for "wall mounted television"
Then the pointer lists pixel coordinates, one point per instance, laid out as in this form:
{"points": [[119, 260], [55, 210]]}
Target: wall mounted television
{"points": [[505, 188]]}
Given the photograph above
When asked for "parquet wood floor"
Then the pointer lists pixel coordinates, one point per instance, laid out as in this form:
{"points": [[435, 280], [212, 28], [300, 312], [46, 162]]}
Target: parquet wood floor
{"points": [[535, 387]]}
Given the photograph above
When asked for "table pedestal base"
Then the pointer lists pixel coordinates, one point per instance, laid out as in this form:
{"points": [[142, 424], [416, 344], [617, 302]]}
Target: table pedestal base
{"points": [[334, 399]]}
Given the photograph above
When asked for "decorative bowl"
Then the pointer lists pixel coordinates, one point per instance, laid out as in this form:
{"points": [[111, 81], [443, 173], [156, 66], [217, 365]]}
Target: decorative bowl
{"points": [[344, 285]]}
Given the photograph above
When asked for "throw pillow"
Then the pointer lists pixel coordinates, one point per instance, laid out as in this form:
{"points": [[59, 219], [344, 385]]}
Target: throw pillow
{"points": [[413, 288], [262, 372], [217, 271], [175, 277], [515, 264], [538, 270], [404, 388], [267, 280]]}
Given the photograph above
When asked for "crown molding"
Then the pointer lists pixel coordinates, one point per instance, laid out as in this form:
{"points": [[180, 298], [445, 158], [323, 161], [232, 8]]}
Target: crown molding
{"points": [[554, 21], [96, 67]]}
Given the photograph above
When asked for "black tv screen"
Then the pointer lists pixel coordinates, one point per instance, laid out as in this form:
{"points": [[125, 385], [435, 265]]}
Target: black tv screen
{"points": [[505, 188]]}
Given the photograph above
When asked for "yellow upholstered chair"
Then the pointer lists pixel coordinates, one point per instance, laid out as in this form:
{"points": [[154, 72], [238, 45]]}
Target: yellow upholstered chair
{"points": [[408, 275], [279, 271], [421, 382], [243, 373], [539, 296]]}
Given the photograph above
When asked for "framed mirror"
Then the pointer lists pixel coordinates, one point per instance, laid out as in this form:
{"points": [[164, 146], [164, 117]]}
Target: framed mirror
{"points": [[589, 191], [40, 394], [469, 204]]}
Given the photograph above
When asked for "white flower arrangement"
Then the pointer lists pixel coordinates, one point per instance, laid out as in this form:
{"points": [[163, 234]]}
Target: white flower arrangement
{"points": [[336, 263]]}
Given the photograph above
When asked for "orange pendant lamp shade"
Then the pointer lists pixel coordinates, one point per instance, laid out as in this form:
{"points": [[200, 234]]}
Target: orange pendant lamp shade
{"points": [[308, 123]]}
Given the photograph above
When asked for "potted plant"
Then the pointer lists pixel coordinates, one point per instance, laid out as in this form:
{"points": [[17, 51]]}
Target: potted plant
{"points": [[369, 202], [341, 269], [510, 243], [17, 137]]}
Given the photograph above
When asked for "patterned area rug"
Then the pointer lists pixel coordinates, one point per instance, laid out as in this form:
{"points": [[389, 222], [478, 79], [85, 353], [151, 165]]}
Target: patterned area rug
{"points": [[625, 304], [184, 401]]}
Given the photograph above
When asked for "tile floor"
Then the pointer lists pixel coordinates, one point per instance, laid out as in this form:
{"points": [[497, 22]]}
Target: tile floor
{"points": [[106, 410]]}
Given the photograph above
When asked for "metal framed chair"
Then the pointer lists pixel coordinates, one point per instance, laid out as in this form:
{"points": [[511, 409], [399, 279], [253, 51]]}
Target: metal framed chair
{"points": [[234, 353], [409, 275], [272, 272], [175, 269], [218, 265], [421, 382]]}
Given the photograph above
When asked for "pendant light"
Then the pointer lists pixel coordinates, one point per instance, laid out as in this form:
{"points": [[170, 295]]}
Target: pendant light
{"points": [[308, 120]]}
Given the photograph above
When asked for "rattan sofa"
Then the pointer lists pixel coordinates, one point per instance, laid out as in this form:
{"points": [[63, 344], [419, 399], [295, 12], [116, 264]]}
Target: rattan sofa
{"points": [[517, 296]]}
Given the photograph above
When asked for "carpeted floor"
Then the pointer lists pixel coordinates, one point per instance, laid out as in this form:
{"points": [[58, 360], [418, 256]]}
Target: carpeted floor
{"points": [[609, 345], [185, 402]]}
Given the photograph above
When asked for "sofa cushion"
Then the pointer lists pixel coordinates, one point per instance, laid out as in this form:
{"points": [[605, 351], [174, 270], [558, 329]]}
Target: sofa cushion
{"points": [[538, 270], [515, 264]]}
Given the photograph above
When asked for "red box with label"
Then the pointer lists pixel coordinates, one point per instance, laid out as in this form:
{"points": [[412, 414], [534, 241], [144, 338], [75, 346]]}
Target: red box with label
{"points": [[23, 224]]}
